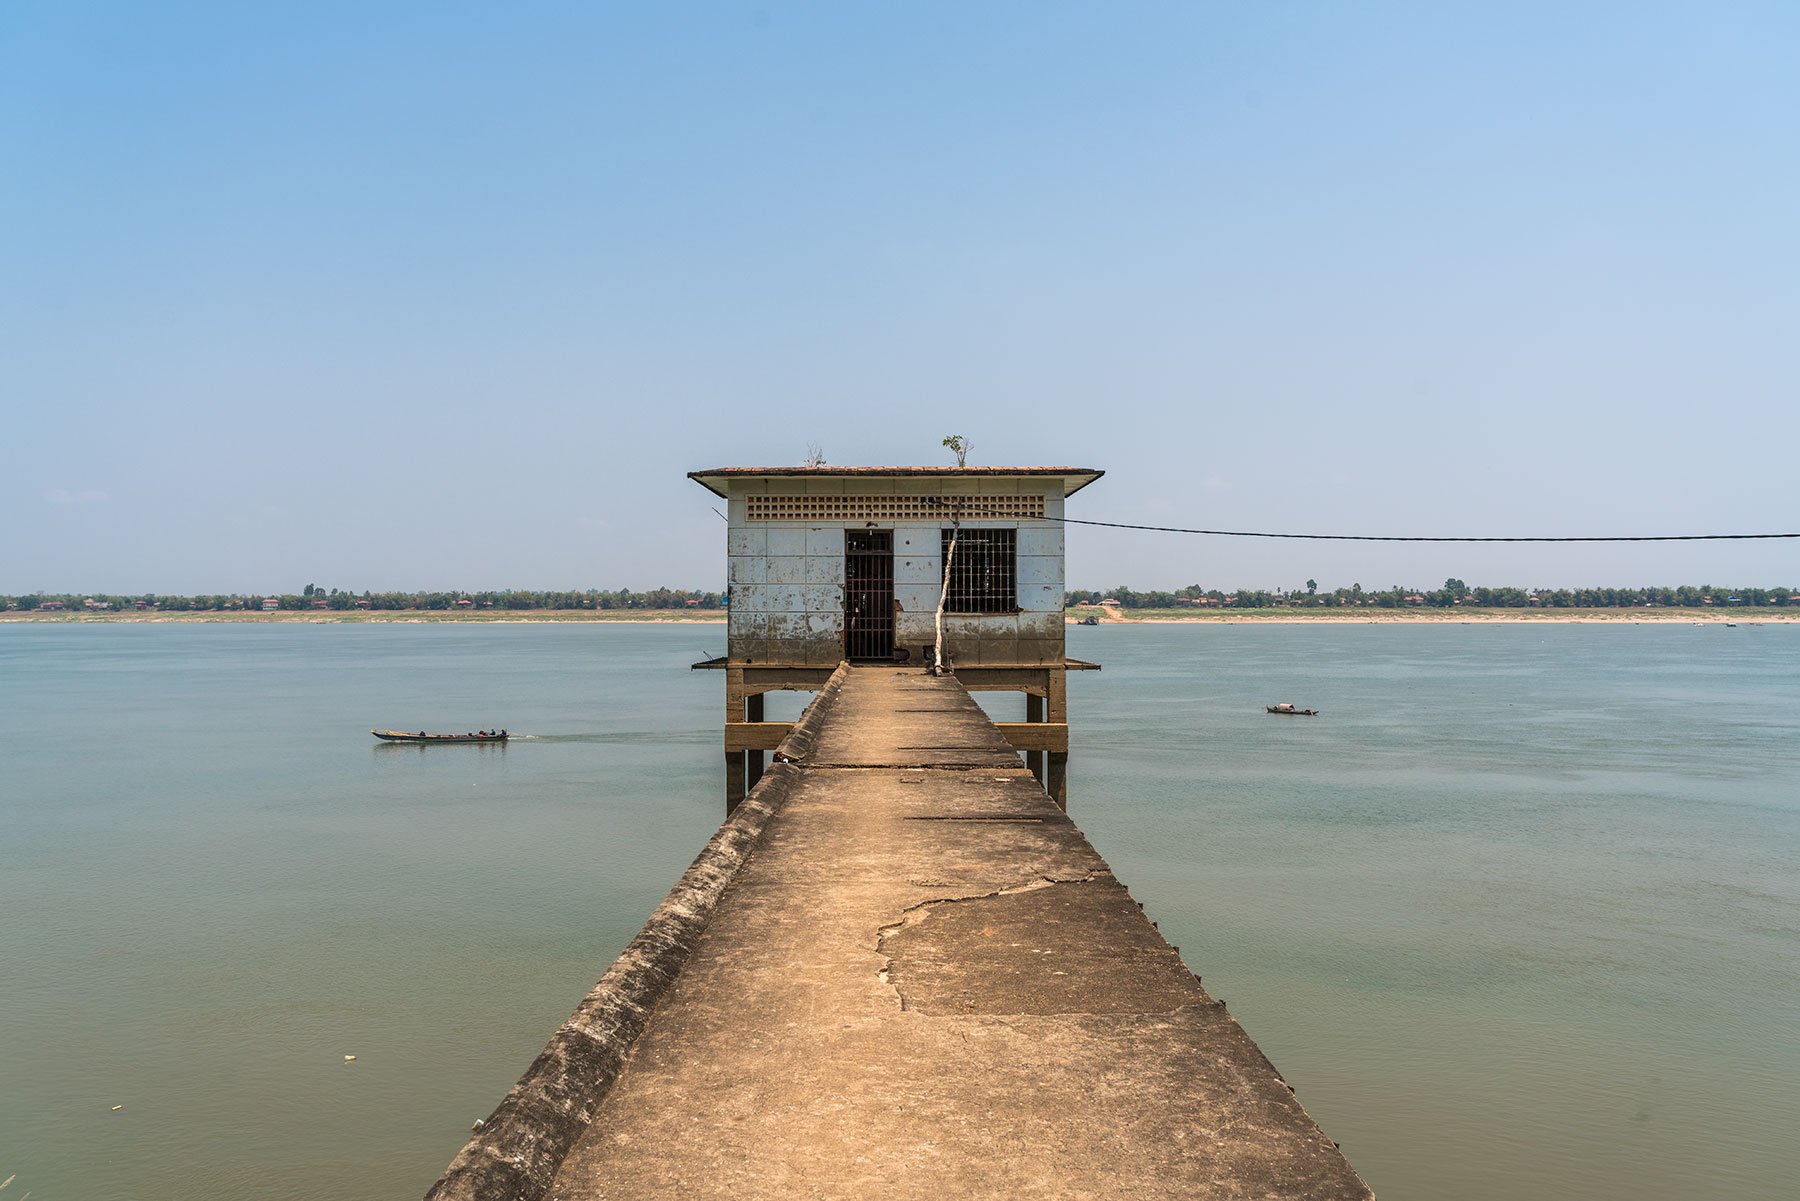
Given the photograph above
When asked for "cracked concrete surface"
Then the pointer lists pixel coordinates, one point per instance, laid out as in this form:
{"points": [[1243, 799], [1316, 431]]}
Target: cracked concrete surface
{"points": [[929, 984], [1032, 949]]}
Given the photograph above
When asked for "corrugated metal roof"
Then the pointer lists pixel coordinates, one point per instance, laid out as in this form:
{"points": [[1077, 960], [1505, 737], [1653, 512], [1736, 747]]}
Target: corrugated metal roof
{"points": [[1074, 478]]}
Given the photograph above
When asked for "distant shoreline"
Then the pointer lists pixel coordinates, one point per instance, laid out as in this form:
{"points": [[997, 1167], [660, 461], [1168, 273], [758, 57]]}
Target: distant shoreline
{"points": [[1456, 616], [1467, 616], [330, 617]]}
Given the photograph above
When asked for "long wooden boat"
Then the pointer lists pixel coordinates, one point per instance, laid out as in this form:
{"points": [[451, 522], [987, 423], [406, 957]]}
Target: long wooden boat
{"points": [[424, 738], [1287, 710]]}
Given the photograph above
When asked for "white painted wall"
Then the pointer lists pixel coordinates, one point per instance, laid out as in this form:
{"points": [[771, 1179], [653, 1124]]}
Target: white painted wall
{"points": [[787, 578]]}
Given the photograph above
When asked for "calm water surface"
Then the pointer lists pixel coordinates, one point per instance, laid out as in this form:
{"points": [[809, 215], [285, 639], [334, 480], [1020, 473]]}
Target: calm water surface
{"points": [[1518, 915]]}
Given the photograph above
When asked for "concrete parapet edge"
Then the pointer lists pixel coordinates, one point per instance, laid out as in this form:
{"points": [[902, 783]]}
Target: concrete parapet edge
{"points": [[515, 1154], [799, 743]]}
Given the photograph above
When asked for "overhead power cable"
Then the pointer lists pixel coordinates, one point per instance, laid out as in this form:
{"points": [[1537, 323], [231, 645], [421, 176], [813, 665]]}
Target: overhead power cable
{"points": [[1173, 529], [1169, 529]]}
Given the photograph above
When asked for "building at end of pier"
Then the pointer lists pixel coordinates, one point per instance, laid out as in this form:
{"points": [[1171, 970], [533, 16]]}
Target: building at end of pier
{"points": [[833, 564]]}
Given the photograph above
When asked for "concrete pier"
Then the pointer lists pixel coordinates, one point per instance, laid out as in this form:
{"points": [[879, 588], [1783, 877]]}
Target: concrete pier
{"points": [[914, 978]]}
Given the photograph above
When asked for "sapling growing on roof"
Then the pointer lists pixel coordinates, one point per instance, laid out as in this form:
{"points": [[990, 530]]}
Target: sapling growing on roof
{"points": [[960, 447]]}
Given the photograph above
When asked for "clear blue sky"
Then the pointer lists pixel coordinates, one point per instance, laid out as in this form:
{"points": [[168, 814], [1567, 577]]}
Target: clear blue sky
{"points": [[453, 295]]}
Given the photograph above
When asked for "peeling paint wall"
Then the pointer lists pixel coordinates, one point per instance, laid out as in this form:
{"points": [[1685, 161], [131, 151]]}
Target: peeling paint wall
{"points": [[786, 578]]}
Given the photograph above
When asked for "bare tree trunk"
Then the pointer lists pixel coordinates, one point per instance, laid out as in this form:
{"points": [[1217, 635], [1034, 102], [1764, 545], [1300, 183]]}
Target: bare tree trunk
{"points": [[938, 666]]}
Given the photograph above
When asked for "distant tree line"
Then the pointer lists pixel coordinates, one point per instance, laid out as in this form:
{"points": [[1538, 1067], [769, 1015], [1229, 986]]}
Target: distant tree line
{"points": [[315, 597], [1454, 592]]}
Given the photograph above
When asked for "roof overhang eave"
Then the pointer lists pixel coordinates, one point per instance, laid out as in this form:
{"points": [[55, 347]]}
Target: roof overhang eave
{"points": [[717, 480]]}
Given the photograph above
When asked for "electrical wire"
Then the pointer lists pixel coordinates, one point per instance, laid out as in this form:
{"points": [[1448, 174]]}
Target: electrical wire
{"points": [[1166, 529], [1172, 529]]}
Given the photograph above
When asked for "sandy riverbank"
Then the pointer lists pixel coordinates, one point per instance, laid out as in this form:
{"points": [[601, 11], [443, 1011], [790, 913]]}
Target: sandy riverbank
{"points": [[1458, 616], [404, 616]]}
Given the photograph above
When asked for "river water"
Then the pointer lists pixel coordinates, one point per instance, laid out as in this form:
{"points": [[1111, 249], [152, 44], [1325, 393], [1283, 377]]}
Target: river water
{"points": [[1518, 915]]}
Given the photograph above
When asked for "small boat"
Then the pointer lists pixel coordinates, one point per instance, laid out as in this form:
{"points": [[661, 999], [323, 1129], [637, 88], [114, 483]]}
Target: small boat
{"points": [[1287, 710], [424, 738], [1090, 620]]}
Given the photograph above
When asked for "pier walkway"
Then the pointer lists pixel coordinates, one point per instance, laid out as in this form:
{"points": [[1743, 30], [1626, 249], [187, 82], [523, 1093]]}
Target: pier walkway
{"points": [[919, 980]]}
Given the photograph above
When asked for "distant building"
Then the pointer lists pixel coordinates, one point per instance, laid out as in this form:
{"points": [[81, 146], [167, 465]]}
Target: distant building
{"points": [[464, 603], [271, 603], [52, 606]]}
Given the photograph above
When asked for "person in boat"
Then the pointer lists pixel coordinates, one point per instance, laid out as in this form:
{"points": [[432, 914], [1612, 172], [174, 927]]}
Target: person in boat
{"points": [[503, 733]]}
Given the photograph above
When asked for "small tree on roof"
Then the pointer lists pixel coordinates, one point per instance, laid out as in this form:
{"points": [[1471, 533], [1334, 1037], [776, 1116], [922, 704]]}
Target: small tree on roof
{"points": [[960, 447]]}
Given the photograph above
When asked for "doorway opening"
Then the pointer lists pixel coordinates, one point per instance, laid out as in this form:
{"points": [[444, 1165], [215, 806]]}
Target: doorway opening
{"points": [[869, 595]]}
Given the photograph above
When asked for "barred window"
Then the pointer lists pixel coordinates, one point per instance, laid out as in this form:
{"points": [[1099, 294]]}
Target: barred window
{"points": [[984, 574]]}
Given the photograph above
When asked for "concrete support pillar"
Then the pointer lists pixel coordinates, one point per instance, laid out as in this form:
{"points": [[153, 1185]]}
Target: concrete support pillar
{"points": [[753, 711], [734, 780], [1058, 783], [1056, 689], [735, 786], [1034, 711]]}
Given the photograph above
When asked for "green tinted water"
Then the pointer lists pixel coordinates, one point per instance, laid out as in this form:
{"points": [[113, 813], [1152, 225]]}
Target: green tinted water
{"points": [[1518, 915]]}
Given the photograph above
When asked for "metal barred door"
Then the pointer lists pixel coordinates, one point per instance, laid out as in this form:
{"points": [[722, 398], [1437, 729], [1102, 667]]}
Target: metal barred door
{"points": [[869, 594]]}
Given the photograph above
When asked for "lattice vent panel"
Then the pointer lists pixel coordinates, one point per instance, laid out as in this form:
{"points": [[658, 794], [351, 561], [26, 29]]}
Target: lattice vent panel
{"points": [[892, 508]]}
